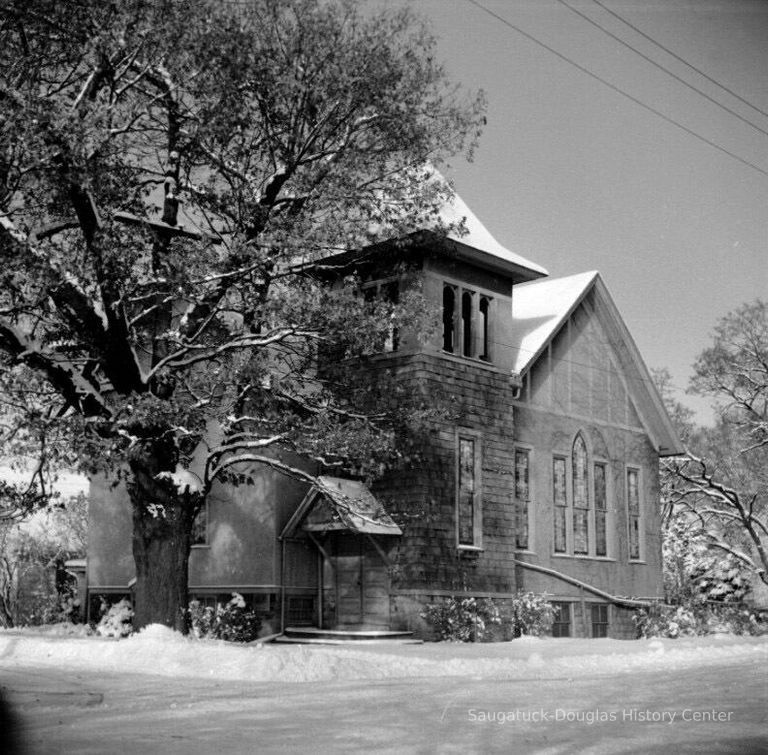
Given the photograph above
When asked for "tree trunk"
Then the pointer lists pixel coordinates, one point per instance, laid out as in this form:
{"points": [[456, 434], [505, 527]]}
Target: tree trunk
{"points": [[162, 527]]}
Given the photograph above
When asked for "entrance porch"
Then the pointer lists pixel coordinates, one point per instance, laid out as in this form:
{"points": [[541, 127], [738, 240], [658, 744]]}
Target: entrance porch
{"points": [[353, 536]]}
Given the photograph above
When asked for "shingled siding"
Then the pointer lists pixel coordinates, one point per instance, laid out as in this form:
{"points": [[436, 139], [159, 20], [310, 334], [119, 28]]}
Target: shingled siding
{"points": [[427, 564]]}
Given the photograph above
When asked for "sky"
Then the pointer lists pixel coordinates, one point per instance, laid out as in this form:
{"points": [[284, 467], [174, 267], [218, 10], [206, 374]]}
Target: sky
{"points": [[576, 176]]}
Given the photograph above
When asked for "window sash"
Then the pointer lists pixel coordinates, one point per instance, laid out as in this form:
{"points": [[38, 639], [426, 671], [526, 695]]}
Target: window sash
{"points": [[467, 491], [199, 535], [561, 626], [580, 474], [581, 531], [560, 497], [633, 510], [634, 536], [599, 620], [601, 533], [601, 510], [522, 497], [633, 495]]}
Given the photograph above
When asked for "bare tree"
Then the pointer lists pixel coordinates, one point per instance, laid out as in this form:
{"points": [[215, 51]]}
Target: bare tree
{"points": [[720, 487]]}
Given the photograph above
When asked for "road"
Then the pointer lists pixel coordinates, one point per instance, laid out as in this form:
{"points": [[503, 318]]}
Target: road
{"points": [[693, 711]]}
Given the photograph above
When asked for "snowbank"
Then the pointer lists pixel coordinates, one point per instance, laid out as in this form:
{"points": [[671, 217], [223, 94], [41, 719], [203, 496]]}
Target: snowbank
{"points": [[160, 651]]}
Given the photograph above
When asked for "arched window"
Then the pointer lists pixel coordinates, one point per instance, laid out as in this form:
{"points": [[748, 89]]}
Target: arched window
{"points": [[580, 472]]}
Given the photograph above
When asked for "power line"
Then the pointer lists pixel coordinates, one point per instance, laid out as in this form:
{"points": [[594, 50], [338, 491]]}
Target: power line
{"points": [[616, 89], [661, 67], [682, 60]]}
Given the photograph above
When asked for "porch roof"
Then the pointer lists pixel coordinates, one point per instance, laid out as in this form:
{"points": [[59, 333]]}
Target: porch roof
{"points": [[334, 503]]}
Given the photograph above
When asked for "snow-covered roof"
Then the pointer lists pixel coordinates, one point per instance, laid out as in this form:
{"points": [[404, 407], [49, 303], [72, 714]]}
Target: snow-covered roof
{"points": [[469, 238], [479, 238], [334, 503], [539, 308]]}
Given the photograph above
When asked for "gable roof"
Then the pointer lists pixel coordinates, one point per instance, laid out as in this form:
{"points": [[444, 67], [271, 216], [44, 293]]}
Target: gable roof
{"points": [[334, 503], [539, 310]]}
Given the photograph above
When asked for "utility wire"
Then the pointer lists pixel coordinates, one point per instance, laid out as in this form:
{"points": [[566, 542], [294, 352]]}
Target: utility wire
{"points": [[682, 60], [661, 67], [616, 89]]}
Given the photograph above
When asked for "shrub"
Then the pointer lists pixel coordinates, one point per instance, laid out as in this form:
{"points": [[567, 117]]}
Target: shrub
{"points": [[116, 620], [234, 621], [462, 619], [483, 619], [697, 619], [530, 614]]}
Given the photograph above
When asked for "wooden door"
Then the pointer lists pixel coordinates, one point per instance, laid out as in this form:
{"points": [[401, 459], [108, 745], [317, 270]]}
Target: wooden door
{"points": [[349, 580], [362, 584]]}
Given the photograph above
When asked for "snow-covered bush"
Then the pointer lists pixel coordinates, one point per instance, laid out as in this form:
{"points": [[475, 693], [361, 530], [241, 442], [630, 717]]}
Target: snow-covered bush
{"points": [[528, 613], [697, 619], [484, 620], [116, 622], [233, 621], [462, 619]]}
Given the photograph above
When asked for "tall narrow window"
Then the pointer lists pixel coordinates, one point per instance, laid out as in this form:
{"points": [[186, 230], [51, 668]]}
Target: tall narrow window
{"points": [[449, 318], [580, 472], [466, 324], [633, 510], [561, 626], [560, 497], [601, 511], [599, 617], [200, 527], [468, 519], [485, 304], [390, 292], [522, 497]]}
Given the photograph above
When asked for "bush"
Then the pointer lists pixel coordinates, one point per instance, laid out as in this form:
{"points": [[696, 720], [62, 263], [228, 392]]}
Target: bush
{"points": [[116, 620], [483, 619], [529, 614], [697, 619], [462, 619], [234, 622]]}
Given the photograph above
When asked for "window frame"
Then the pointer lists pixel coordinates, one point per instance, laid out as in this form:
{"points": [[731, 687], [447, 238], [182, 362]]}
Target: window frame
{"points": [[517, 500], [638, 517], [562, 608], [466, 434], [449, 318], [205, 514], [560, 509], [565, 516], [466, 321], [598, 628], [601, 513], [380, 289], [581, 511]]}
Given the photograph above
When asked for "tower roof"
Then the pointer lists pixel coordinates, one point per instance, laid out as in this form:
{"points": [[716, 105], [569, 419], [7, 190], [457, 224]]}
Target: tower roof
{"points": [[480, 246]]}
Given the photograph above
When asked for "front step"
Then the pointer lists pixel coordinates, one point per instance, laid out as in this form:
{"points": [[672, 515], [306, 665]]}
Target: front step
{"points": [[314, 636]]}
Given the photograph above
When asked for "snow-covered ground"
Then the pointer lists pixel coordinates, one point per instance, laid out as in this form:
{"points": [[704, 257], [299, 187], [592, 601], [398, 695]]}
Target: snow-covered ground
{"points": [[160, 692], [160, 651]]}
